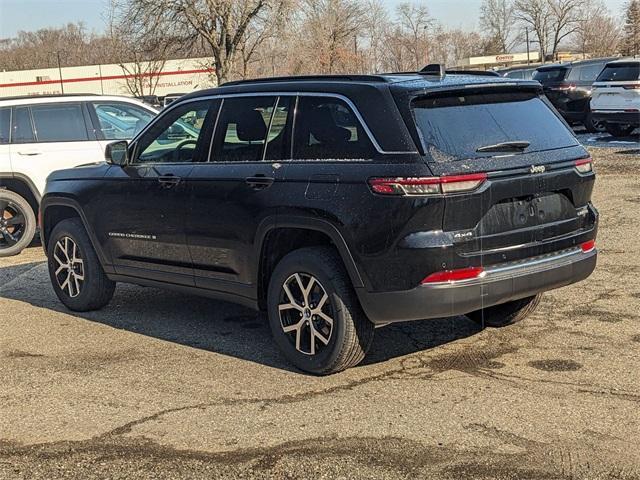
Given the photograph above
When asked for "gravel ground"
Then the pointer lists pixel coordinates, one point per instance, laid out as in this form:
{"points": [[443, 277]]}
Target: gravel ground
{"points": [[162, 385]]}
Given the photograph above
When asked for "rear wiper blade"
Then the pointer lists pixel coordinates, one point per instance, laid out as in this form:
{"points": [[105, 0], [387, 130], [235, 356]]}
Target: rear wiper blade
{"points": [[517, 146]]}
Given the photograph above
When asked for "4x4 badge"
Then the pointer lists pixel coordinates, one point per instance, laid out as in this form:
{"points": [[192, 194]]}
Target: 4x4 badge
{"points": [[537, 169]]}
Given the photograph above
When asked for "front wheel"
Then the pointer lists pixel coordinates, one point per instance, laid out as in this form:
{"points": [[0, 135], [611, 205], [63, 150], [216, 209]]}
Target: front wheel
{"points": [[315, 316], [618, 130], [507, 313], [75, 271], [17, 223]]}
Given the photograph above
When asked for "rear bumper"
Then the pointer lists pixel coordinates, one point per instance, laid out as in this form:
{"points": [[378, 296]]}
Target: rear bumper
{"points": [[624, 118], [499, 284]]}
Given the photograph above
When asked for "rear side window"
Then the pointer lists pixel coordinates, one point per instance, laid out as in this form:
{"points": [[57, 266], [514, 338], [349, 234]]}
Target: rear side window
{"points": [[242, 129], [620, 72], [5, 125], [121, 121], [550, 75], [59, 123], [327, 128], [516, 74], [22, 127], [455, 127]]}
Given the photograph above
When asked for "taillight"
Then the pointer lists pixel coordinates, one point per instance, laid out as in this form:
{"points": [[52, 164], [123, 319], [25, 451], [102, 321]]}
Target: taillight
{"points": [[427, 185], [585, 165], [589, 246], [454, 275]]}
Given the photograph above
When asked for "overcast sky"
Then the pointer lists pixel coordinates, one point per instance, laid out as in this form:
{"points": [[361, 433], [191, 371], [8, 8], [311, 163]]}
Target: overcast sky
{"points": [[18, 15]]}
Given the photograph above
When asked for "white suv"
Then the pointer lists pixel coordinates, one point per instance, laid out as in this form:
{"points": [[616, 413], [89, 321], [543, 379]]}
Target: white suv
{"points": [[616, 97], [41, 134]]}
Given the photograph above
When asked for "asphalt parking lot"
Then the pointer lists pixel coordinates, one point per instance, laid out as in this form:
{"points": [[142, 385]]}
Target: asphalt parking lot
{"points": [[162, 385]]}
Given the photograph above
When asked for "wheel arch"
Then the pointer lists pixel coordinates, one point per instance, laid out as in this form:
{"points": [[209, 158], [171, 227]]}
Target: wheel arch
{"points": [[292, 233], [53, 210], [23, 186]]}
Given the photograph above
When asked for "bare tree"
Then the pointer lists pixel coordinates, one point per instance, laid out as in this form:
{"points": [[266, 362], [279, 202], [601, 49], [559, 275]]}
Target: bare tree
{"points": [[220, 24], [598, 33], [329, 30], [497, 18], [414, 21], [631, 40], [535, 14], [565, 20], [377, 25], [552, 21]]}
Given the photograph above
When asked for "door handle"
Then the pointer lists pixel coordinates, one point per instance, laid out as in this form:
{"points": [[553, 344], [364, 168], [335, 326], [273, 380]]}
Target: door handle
{"points": [[259, 182], [169, 181], [29, 153]]}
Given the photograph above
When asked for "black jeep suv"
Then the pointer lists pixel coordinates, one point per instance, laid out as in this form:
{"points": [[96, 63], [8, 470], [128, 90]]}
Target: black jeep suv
{"points": [[336, 204]]}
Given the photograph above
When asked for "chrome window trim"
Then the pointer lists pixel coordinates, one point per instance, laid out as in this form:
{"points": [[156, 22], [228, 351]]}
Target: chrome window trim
{"points": [[339, 96]]}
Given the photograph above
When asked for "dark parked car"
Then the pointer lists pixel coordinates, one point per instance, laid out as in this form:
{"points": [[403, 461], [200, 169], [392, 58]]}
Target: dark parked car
{"points": [[335, 204], [569, 86]]}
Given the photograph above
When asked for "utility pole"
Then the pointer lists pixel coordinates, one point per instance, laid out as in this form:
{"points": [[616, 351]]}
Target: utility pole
{"points": [[60, 72], [526, 30]]}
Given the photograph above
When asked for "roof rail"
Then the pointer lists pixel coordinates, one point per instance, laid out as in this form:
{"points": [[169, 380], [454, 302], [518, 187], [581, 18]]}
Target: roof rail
{"points": [[49, 95], [294, 78]]}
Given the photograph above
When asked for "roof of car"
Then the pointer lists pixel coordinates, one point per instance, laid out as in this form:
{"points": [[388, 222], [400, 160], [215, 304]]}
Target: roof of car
{"points": [[577, 63], [624, 60], [336, 83], [84, 97]]}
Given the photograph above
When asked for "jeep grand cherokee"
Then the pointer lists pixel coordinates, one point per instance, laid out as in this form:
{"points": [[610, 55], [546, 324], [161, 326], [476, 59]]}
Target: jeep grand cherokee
{"points": [[336, 204]]}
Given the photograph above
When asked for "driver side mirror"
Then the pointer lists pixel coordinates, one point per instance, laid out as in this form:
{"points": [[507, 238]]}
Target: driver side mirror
{"points": [[117, 153]]}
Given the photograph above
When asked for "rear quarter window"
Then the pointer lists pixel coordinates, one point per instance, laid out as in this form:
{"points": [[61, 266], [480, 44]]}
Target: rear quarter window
{"points": [[552, 75], [454, 126]]}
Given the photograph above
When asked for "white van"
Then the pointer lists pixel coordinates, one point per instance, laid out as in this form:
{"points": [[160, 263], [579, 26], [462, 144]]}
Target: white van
{"points": [[41, 134], [616, 97]]}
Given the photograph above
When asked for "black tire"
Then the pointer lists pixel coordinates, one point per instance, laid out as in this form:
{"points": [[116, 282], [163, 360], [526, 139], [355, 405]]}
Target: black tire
{"points": [[351, 334], [507, 313], [95, 290], [618, 130], [592, 125], [15, 237]]}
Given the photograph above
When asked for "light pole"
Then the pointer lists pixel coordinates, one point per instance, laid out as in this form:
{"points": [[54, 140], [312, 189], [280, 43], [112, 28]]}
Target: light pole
{"points": [[60, 72]]}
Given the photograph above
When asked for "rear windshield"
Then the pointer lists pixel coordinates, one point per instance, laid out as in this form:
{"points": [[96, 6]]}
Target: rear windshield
{"points": [[457, 126], [621, 72], [551, 75]]}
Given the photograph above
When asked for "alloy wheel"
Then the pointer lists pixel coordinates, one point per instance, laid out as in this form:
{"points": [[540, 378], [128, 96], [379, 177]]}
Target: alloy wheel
{"points": [[306, 313], [69, 271], [12, 224]]}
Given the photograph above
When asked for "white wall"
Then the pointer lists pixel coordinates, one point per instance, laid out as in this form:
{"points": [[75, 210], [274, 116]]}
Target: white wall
{"points": [[177, 76]]}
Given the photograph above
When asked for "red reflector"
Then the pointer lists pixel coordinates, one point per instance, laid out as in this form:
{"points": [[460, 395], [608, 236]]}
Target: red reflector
{"points": [[588, 246], [454, 275], [585, 165], [631, 110]]}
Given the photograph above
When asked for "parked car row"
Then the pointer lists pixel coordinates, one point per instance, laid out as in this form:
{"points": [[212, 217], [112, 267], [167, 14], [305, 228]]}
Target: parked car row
{"points": [[601, 94]]}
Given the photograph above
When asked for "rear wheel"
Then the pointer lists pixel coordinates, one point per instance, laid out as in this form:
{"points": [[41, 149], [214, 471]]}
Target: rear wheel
{"points": [[507, 313], [314, 313], [17, 223], [75, 271], [618, 130], [592, 125]]}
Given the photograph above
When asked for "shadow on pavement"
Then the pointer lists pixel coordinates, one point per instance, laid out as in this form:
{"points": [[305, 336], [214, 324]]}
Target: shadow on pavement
{"points": [[212, 325]]}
